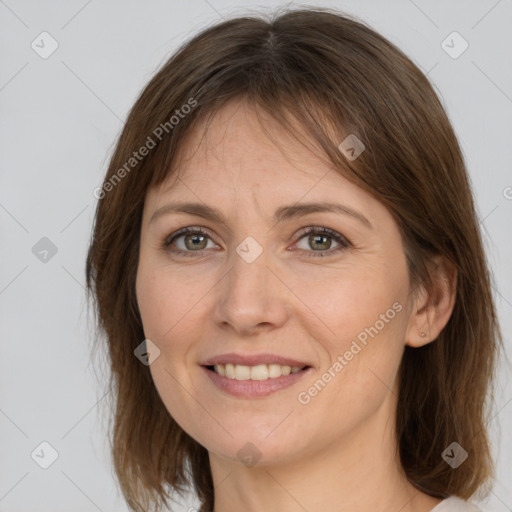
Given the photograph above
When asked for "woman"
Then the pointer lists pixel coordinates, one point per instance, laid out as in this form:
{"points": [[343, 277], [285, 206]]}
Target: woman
{"points": [[287, 265]]}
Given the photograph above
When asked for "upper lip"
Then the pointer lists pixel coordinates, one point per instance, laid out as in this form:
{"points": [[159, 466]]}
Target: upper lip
{"points": [[252, 360]]}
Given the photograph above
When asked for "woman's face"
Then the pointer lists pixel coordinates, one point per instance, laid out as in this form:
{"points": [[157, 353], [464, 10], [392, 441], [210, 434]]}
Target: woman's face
{"points": [[264, 286]]}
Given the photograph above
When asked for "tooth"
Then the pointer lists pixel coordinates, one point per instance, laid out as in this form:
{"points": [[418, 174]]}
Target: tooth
{"points": [[274, 370], [259, 372], [230, 370], [285, 370], [242, 372]]}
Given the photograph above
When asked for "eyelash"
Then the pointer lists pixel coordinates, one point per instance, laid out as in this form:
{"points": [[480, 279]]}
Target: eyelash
{"points": [[316, 230]]}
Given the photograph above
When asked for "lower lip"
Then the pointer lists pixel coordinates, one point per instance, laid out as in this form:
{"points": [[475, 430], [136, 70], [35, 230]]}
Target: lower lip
{"points": [[254, 388]]}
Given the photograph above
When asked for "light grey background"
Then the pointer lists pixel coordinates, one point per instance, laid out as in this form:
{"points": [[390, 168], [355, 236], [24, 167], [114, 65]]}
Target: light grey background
{"points": [[59, 119]]}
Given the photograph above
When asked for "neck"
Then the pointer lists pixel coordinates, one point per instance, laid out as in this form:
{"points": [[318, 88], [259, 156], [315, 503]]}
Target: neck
{"points": [[355, 473]]}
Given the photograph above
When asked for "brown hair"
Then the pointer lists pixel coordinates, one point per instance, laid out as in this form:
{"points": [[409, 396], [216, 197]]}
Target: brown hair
{"points": [[333, 76]]}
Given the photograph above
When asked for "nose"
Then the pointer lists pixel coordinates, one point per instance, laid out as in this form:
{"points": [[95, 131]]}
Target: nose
{"points": [[251, 299]]}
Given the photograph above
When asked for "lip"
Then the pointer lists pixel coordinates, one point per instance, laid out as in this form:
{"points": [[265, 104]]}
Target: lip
{"points": [[253, 360], [254, 388]]}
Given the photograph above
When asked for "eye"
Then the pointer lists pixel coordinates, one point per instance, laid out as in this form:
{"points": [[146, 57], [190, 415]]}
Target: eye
{"points": [[320, 240], [188, 240]]}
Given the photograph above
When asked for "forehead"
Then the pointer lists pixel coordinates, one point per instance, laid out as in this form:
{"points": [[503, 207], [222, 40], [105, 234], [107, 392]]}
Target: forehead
{"points": [[245, 155]]}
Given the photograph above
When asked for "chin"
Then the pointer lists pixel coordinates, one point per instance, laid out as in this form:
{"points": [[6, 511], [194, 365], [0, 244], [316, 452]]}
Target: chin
{"points": [[254, 442]]}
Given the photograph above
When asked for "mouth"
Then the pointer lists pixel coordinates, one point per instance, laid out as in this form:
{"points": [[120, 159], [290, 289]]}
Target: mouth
{"points": [[256, 372], [254, 376]]}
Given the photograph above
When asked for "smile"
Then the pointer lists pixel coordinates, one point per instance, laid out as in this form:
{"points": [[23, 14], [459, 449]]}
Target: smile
{"points": [[257, 372], [252, 382]]}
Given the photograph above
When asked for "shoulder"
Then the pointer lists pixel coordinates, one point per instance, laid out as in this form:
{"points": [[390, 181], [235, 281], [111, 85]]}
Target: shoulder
{"points": [[455, 504]]}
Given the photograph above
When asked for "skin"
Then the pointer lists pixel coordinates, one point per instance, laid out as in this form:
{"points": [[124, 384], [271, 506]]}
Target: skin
{"points": [[339, 448]]}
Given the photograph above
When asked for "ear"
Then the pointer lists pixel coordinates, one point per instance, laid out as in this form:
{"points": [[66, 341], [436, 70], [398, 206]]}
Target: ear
{"points": [[431, 309]]}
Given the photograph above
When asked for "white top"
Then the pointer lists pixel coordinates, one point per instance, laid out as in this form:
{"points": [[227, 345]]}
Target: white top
{"points": [[455, 504]]}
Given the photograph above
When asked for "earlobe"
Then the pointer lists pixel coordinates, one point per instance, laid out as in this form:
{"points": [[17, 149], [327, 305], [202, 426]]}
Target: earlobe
{"points": [[432, 308]]}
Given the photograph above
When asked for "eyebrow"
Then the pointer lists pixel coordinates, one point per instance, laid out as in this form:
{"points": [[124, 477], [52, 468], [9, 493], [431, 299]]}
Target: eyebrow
{"points": [[281, 214]]}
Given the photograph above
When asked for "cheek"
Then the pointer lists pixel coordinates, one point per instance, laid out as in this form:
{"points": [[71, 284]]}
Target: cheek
{"points": [[363, 317], [165, 298], [149, 291], [166, 306], [347, 300], [360, 374]]}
